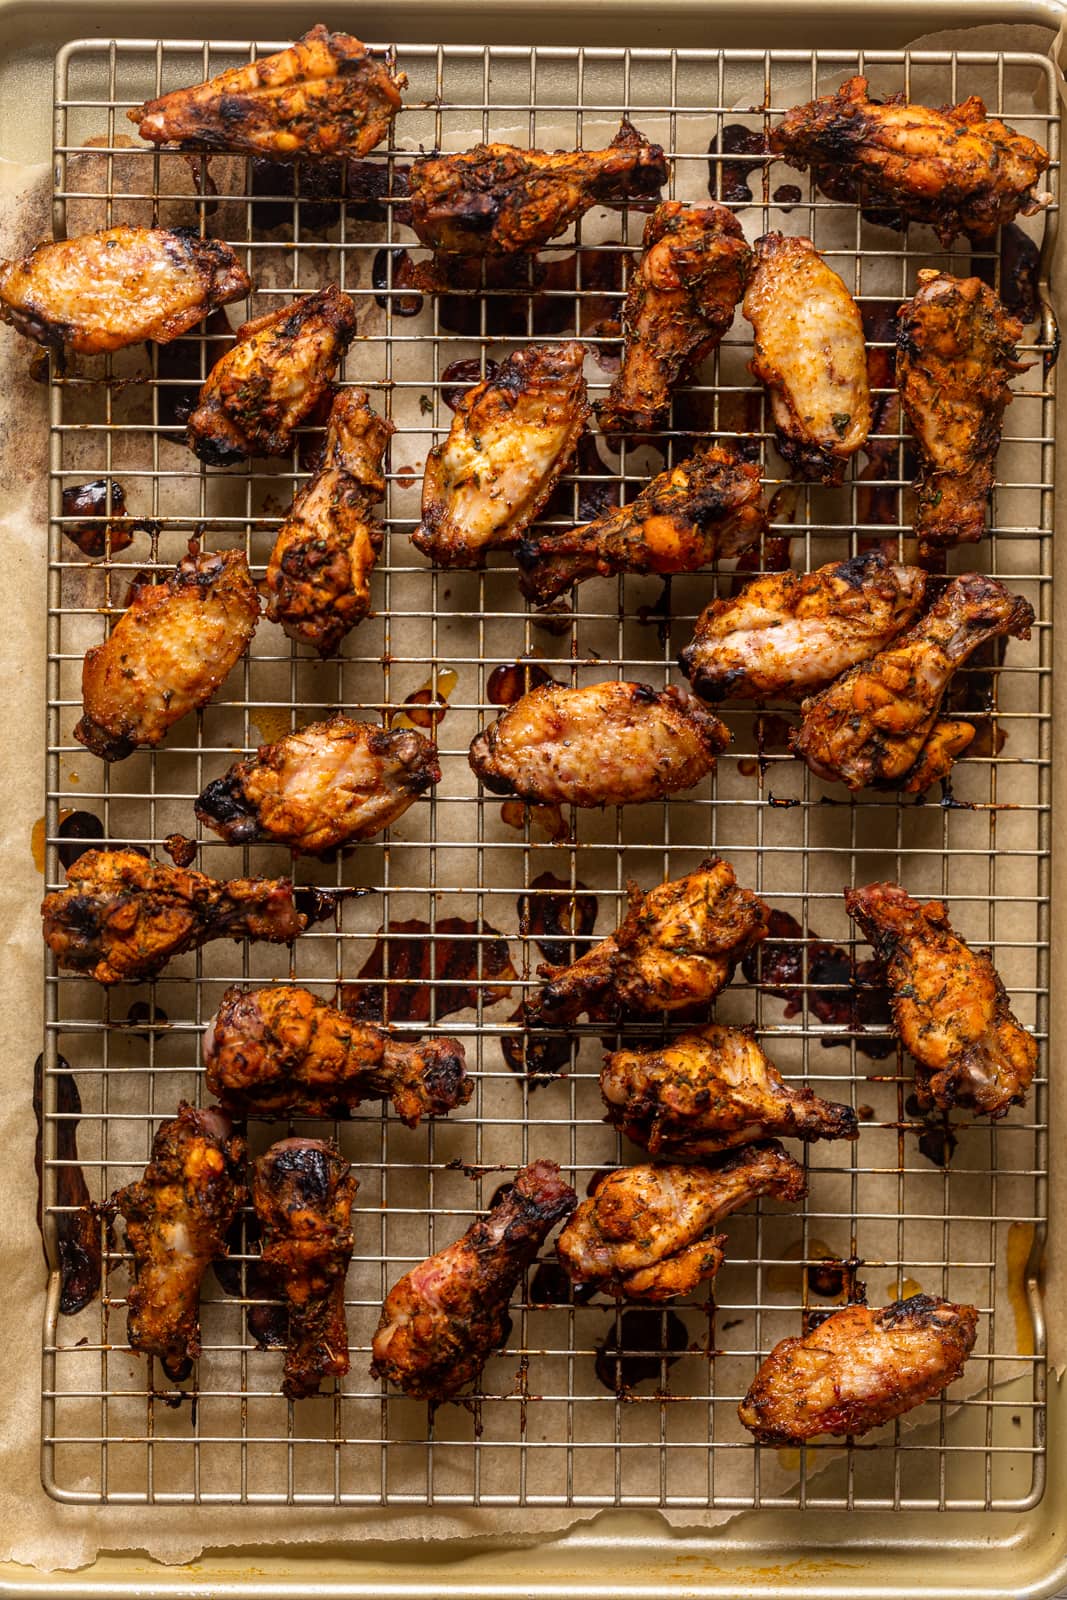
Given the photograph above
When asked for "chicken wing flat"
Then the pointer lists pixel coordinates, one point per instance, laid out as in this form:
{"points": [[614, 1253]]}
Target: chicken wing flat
{"points": [[958, 169], [788, 633], [810, 354], [706, 507], [950, 1007], [318, 576], [281, 365], [303, 1192], [177, 1217], [955, 359], [859, 1369], [281, 1051], [511, 438], [679, 304], [873, 724], [168, 654], [322, 788], [443, 1319], [122, 917]]}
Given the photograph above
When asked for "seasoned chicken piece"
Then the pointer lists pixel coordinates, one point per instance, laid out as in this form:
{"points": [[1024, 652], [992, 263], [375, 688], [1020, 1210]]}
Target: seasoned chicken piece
{"points": [[303, 1192], [169, 652], [281, 365], [788, 633], [958, 169], [950, 1008], [511, 438], [871, 726], [709, 1091], [679, 304], [955, 359], [122, 917], [177, 1218], [281, 1051], [318, 576], [647, 1233], [707, 507], [497, 200], [677, 946], [858, 1369], [810, 354], [443, 1319]]}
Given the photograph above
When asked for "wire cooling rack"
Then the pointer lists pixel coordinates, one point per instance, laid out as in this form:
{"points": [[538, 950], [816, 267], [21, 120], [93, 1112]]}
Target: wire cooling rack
{"points": [[585, 1407]]}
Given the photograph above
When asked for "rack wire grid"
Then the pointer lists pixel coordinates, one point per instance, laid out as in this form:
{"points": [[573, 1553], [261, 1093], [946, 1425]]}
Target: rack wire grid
{"points": [[586, 1406]]}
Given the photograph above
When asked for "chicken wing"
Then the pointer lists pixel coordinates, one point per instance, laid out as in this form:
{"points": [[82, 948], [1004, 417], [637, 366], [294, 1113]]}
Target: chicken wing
{"points": [[280, 1051], [177, 1218], [788, 633], [810, 354], [707, 507], [858, 1369], [318, 576], [875, 724], [511, 438], [443, 1319], [122, 917], [281, 365], [168, 654], [950, 1007]]}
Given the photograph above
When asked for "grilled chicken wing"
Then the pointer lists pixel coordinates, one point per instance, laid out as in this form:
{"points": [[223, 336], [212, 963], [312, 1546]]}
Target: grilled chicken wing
{"points": [[443, 1319], [168, 654], [177, 1218], [858, 1369], [958, 169], [950, 1008], [511, 438], [281, 1051], [303, 1193], [707, 507], [810, 354], [680, 302], [874, 724], [788, 633], [955, 359], [122, 917], [281, 365]]}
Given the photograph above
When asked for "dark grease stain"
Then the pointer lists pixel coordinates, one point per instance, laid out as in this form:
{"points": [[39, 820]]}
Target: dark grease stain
{"points": [[507, 684], [559, 919], [411, 956], [647, 1342], [78, 832], [847, 993], [91, 500], [937, 1141], [728, 178], [78, 1232]]}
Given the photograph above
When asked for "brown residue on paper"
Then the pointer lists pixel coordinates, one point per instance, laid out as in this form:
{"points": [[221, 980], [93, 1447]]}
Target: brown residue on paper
{"points": [[273, 722], [1020, 1243]]}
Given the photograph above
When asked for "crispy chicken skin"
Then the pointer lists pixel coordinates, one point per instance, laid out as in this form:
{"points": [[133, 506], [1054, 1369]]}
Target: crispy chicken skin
{"points": [[709, 1091], [647, 1233], [281, 365], [168, 654], [122, 917], [955, 359], [443, 1319], [680, 302], [810, 354], [874, 725], [498, 200], [281, 1051], [950, 1008], [958, 169], [318, 576], [511, 438], [323, 96], [177, 1217], [303, 1192], [788, 633], [706, 507], [858, 1369]]}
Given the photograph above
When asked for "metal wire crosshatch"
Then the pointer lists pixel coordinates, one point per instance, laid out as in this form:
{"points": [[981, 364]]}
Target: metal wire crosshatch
{"points": [[584, 1407]]}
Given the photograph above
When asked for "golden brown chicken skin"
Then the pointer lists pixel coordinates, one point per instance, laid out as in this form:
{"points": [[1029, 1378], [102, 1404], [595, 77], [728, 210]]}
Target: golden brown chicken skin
{"points": [[168, 654], [950, 1008], [859, 1369]]}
